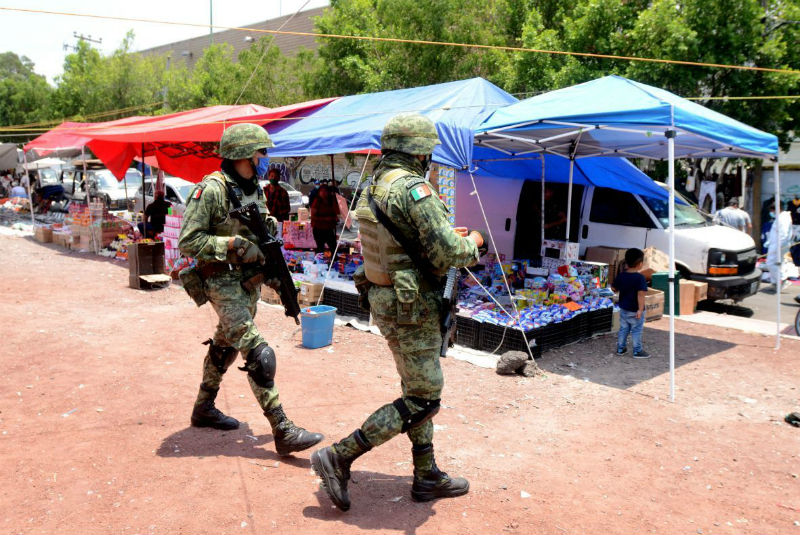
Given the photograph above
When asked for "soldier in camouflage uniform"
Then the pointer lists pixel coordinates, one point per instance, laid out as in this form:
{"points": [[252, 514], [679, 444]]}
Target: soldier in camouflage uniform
{"points": [[227, 256], [405, 307]]}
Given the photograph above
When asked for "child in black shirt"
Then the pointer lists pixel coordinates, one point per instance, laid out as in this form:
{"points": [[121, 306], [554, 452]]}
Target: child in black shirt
{"points": [[632, 288]]}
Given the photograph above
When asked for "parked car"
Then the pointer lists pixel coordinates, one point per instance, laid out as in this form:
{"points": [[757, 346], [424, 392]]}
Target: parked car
{"points": [[723, 257], [176, 191], [296, 198], [101, 184]]}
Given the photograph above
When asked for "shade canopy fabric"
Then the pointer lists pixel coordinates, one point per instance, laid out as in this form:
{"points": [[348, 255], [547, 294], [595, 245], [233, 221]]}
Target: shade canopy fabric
{"points": [[615, 173], [183, 143], [354, 123], [619, 117]]}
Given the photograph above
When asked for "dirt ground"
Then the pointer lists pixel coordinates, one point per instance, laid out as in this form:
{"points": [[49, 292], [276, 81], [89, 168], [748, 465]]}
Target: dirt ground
{"points": [[98, 381]]}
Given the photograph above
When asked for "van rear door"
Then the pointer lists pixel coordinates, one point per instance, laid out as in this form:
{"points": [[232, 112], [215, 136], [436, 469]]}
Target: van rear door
{"points": [[614, 219]]}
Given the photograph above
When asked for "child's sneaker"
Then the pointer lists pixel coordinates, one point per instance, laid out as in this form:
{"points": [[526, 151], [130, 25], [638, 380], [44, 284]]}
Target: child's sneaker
{"points": [[622, 351], [641, 354]]}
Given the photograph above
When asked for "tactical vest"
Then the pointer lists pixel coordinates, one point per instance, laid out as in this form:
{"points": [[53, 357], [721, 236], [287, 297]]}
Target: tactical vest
{"points": [[382, 254], [230, 226]]}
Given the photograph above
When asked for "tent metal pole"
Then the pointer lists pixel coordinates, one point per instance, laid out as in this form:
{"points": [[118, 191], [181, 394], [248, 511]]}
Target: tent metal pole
{"points": [[671, 155], [779, 282], [541, 223], [144, 201], [569, 196], [30, 191]]}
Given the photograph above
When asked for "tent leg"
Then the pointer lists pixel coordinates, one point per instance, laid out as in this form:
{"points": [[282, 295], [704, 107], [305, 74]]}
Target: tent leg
{"points": [[671, 154], [541, 223], [569, 196], [779, 282], [30, 190]]}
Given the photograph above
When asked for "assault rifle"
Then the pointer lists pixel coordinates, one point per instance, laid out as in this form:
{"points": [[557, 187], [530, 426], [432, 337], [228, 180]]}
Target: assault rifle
{"points": [[449, 310], [275, 265]]}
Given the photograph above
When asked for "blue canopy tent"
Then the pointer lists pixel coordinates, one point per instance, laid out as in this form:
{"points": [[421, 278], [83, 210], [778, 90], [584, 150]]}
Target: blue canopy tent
{"points": [[354, 123], [614, 116]]}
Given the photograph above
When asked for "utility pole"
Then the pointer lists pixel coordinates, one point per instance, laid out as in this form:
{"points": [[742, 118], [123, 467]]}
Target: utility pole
{"points": [[81, 37], [210, 22]]}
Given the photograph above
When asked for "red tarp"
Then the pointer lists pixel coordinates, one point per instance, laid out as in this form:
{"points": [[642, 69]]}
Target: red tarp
{"points": [[183, 144]]}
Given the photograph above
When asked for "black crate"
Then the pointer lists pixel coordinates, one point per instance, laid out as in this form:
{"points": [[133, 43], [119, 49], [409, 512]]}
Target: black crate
{"points": [[498, 339], [346, 303], [600, 321], [468, 332]]}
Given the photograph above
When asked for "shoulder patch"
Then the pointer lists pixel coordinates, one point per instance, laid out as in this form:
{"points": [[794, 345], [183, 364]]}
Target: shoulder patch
{"points": [[198, 191], [414, 181], [420, 192]]}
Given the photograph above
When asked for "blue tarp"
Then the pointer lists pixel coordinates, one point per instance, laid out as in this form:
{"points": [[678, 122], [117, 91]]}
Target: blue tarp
{"points": [[616, 173], [625, 116], [354, 123]]}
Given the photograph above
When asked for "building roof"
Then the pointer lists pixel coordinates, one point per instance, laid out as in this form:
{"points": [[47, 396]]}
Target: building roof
{"points": [[190, 50]]}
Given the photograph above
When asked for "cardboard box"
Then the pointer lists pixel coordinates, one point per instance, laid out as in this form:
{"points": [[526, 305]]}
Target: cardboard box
{"points": [[700, 291], [269, 295], [653, 304], [561, 250], [654, 260], [310, 291], [612, 256], [145, 259], [43, 234], [687, 302]]}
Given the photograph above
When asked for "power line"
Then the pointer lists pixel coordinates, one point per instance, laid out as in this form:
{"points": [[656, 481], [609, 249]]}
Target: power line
{"points": [[415, 41]]}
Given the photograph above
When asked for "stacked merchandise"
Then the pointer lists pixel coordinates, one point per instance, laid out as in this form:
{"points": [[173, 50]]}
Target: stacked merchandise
{"points": [[298, 235], [172, 254], [555, 306], [92, 227]]}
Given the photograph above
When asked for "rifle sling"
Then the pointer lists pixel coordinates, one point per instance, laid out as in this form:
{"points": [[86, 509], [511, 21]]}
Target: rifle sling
{"points": [[423, 264]]}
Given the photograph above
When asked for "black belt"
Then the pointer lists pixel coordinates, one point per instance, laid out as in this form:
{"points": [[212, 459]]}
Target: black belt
{"points": [[214, 268]]}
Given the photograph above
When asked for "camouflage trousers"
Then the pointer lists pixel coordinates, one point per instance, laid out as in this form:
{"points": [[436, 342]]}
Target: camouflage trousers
{"points": [[415, 349], [236, 309]]}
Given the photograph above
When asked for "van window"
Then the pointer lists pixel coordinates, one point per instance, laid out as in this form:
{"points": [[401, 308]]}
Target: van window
{"points": [[618, 208], [685, 213]]}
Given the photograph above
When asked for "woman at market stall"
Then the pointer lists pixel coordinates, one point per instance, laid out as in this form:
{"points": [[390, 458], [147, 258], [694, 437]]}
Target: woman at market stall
{"points": [[324, 216]]}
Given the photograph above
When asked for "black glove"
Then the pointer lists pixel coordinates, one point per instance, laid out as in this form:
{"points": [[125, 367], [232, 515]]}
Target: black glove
{"points": [[247, 251]]}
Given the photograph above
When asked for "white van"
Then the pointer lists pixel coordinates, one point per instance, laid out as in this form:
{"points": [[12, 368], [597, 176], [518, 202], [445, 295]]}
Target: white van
{"points": [[723, 257]]}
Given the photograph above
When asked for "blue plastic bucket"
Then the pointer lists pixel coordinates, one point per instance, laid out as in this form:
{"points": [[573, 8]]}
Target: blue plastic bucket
{"points": [[317, 325]]}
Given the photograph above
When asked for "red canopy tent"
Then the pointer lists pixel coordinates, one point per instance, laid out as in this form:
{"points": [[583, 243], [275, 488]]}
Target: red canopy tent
{"points": [[184, 144]]}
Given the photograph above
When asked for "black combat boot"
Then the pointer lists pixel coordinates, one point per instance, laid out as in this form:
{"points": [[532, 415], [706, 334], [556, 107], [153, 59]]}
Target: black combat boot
{"points": [[289, 437], [332, 465], [206, 414], [430, 482]]}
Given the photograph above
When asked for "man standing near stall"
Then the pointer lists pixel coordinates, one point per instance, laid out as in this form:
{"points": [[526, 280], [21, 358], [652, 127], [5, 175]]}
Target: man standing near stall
{"points": [[227, 259], [405, 304]]}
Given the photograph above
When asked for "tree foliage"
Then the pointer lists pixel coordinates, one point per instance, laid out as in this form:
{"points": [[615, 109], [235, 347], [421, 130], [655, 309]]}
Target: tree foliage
{"points": [[23, 93], [347, 66]]}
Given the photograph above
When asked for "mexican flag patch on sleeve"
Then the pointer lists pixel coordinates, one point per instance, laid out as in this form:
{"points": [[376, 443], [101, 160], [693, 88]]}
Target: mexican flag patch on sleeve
{"points": [[198, 191], [420, 192]]}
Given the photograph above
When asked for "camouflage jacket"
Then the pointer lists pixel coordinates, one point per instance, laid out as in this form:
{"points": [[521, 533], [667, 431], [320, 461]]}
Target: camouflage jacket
{"points": [[207, 227], [413, 205]]}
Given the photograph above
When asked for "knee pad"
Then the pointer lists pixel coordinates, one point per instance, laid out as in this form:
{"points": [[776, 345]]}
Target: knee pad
{"points": [[260, 365], [428, 409], [221, 356]]}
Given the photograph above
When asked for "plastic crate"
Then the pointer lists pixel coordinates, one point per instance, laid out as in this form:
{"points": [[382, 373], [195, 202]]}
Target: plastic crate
{"points": [[600, 321], [498, 339], [346, 303], [468, 332]]}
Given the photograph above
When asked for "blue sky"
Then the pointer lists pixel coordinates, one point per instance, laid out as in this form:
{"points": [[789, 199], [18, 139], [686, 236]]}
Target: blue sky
{"points": [[41, 37]]}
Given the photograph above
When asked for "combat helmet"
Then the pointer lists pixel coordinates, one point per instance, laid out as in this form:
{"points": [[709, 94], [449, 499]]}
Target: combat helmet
{"points": [[411, 133], [243, 140]]}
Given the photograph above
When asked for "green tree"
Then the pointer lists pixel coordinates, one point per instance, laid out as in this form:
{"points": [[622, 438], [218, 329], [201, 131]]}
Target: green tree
{"points": [[23, 93], [708, 31], [92, 84], [353, 66]]}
